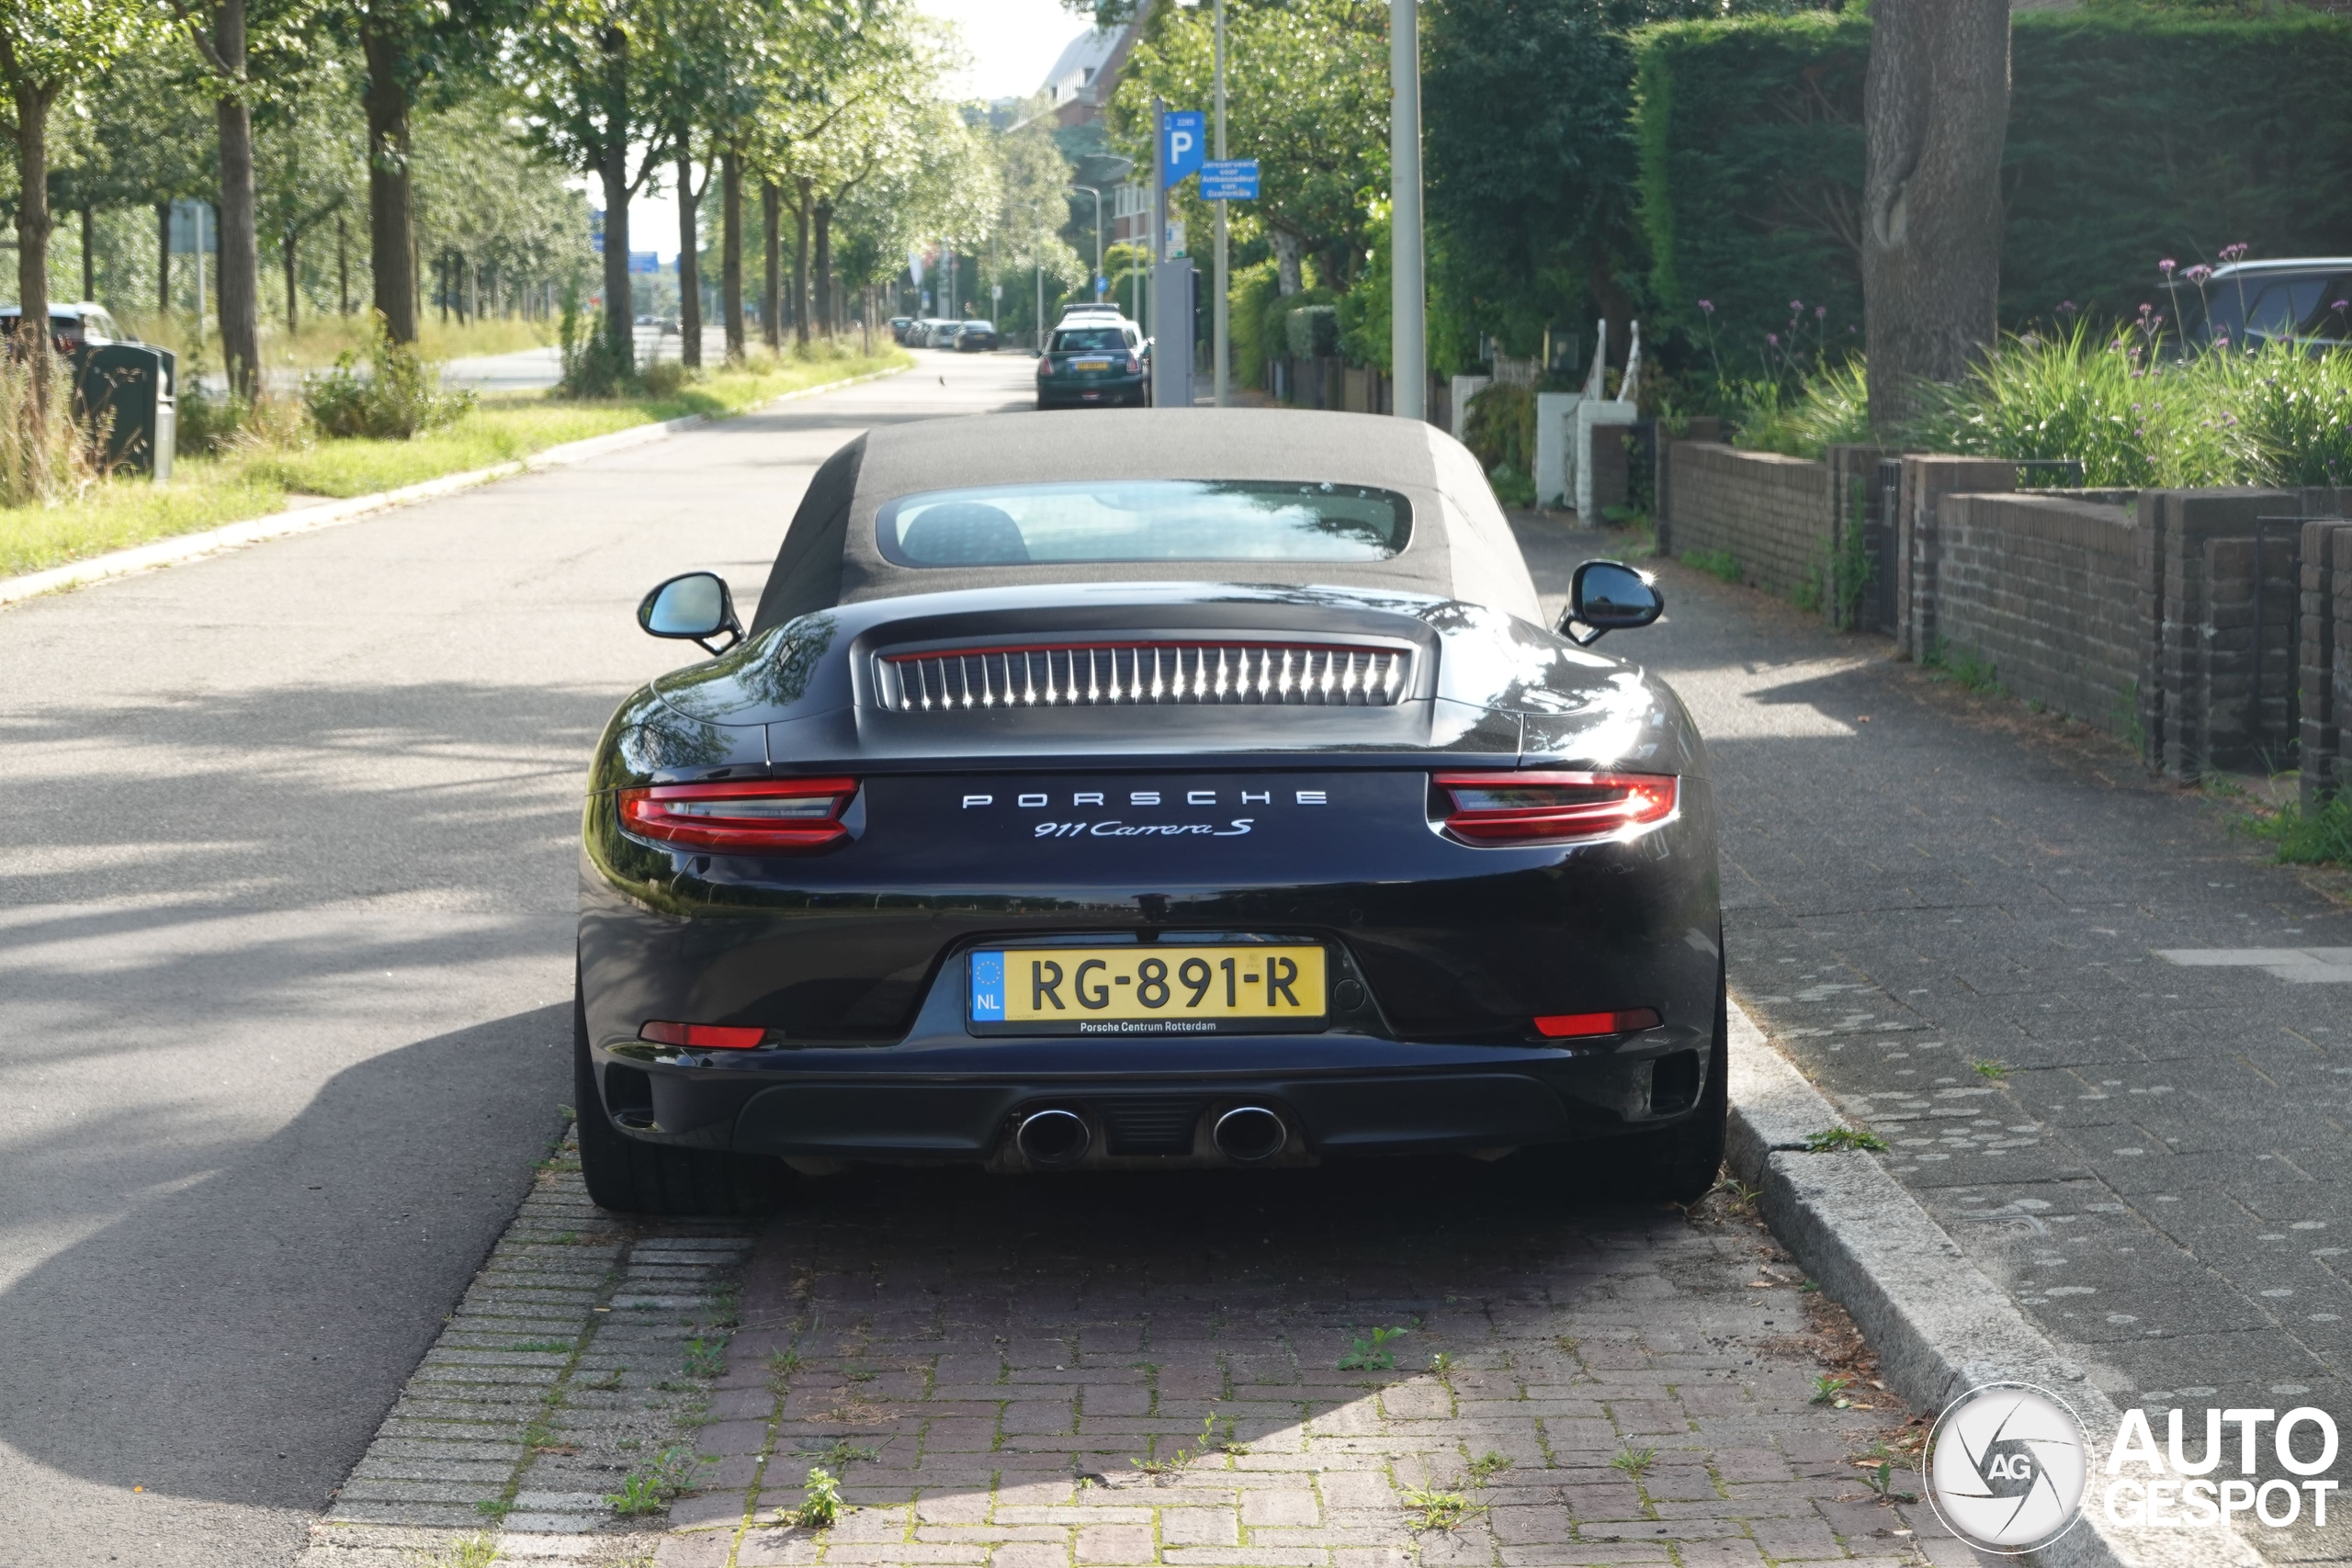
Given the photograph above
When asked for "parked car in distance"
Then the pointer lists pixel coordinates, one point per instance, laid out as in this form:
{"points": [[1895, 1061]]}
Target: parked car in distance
{"points": [[1097, 362], [943, 335], [1091, 307], [72, 326], [899, 326], [2306, 300], [977, 337]]}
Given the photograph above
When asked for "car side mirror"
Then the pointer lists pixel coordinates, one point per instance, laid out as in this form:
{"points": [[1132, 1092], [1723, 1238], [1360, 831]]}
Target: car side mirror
{"points": [[1607, 596], [695, 606]]}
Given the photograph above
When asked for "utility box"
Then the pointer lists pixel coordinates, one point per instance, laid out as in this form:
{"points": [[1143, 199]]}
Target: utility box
{"points": [[1174, 324], [133, 387]]}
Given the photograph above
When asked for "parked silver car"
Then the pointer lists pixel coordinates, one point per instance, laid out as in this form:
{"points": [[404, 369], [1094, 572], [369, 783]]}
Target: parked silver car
{"points": [[2306, 300]]}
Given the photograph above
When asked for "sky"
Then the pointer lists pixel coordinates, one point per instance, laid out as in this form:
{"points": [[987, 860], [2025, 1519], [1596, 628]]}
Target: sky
{"points": [[1012, 44]]}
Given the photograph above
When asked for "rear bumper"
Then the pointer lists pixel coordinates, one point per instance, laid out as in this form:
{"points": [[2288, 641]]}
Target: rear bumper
{"points": [[1146, 1105], [1079, 394]]}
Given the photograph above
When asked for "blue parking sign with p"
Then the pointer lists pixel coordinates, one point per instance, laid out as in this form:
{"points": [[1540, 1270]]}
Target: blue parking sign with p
{"points": [[1183, 147]]}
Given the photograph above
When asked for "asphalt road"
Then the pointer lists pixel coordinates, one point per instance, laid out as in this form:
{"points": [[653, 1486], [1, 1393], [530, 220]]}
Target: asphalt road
{"points": [[286, 915]]}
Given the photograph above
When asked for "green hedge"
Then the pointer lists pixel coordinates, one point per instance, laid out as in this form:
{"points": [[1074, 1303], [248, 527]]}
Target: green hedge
{"points": [[2131, 137]]}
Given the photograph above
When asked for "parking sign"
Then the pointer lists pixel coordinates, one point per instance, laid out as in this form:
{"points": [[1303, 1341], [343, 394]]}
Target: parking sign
{"points": [[1183, 147]]}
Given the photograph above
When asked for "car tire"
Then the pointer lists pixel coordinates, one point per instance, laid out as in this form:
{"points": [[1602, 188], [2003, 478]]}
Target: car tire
{"points": [[629, 1175], [1681, 1163]]}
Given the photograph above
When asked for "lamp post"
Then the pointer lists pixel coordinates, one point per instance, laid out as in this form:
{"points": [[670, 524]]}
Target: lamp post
{"points": [[1221, 354], [1096, 192], [1408, 341]]}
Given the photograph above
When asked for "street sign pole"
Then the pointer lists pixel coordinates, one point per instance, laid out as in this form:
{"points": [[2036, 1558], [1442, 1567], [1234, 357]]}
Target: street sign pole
{"points": [[1156, 222], [1409, 343], [1222, 354]]}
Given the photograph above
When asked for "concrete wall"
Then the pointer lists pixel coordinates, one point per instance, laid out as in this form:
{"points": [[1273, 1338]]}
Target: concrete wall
{"points": [[1770, 514], [2044, 589]]}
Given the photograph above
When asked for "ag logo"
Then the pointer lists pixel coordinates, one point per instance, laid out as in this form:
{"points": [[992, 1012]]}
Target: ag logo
{"points": [[2005, 1468]]}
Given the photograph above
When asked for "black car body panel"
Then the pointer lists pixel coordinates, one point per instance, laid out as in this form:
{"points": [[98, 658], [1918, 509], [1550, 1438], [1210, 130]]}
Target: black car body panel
{"points": [[1157, 825]]}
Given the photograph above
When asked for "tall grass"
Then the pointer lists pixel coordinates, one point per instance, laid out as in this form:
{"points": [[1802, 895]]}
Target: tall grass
{"points": [[2278, 415], [1831, 406], [46, 455]]}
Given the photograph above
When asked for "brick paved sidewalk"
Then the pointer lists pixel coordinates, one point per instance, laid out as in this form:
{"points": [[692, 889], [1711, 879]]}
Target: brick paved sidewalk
{"points": [[983, 1362]]}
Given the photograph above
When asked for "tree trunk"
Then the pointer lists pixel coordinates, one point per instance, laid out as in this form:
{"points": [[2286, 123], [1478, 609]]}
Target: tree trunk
{"points": [[689, 267], [619, 311], [163, 258], [1935, 113], [89, 259], [824, 226], [293, 316], [391, 247], [801, 267], [1288, 280], [620, 307], [240, 241], [730, 251], [342, 264], [31, 104], [772, 287]]}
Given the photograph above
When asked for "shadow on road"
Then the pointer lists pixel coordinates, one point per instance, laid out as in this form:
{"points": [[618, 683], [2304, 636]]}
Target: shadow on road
{"points": [[228, 1338]]}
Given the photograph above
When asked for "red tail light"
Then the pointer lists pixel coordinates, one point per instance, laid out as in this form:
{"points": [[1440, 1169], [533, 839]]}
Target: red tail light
{"points": [[1574, 1025], [1135, 366], [1553, 808], [744, 817], [702, 1036]]}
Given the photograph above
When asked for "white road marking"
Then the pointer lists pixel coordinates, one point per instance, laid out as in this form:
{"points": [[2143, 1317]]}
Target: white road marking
{"points": [[2305, 965]]}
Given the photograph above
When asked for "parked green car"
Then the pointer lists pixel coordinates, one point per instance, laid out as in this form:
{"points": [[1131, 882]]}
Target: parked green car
{"points": [[1102, 363]]}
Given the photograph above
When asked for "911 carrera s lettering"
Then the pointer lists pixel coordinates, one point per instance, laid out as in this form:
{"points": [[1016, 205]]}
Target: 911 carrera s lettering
{"points": [[1114, 829]]}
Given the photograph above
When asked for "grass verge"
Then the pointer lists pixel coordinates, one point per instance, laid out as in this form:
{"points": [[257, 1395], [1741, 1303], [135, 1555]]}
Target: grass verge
{"points": [[206, 492]]}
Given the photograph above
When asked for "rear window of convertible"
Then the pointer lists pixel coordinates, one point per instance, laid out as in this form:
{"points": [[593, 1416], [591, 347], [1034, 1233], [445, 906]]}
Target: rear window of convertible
{"points": [[1226, 520]]}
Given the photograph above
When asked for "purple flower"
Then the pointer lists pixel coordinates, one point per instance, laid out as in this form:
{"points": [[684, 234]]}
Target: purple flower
{"points": [[2232, 252], [2340, 304], [1773, 338], [2167, 265], [2067, 307], [2198, 273], [1708, 306], [1819, 311], [1796, 304]]}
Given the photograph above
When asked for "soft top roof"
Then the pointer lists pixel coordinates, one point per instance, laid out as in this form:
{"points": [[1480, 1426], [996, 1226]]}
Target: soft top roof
{"points": [[1460, 546]]}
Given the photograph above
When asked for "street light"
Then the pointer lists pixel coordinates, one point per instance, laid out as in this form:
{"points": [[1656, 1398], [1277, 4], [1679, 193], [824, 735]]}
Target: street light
{"points": [[1096, 192], [1408, 342]]}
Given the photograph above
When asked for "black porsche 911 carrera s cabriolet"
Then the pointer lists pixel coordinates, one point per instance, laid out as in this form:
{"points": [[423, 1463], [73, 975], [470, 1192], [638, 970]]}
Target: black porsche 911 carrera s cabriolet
{"points": [[1154, 788]]}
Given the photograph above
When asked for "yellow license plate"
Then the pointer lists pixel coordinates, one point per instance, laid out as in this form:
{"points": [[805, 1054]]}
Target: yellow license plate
{"points": [[1146, 987], [1090, 365]]}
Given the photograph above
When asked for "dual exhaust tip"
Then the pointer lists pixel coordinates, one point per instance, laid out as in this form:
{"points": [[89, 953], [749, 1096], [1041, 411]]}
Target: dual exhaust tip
{"points": [[1245, 1135]]}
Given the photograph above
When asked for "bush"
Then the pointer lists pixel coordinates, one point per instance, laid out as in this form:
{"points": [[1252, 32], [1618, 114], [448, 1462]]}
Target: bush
{"points": [[1500, 428], [591, 366], [2133, 135], [398, 395], [1311, 331], [1254, 290], [666, 378]]}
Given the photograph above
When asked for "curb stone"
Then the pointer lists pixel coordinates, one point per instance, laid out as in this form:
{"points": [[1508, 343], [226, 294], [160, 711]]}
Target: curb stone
{"points": [[1940, 1326], [309, 519]]}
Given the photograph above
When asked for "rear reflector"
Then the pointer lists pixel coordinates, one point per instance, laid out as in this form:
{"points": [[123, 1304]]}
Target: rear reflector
{"points": [[1552, 808], [1575, 1025], [743, 817], [717, 1036]]}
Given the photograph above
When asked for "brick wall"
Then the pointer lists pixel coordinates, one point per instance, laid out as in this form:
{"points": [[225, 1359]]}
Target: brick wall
{"points": [[2324, 662], [1770, 514], [2044, 589]]}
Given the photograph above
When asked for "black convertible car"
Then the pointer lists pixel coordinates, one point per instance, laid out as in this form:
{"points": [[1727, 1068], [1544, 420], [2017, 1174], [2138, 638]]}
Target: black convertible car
{"points": [[1170, 788]]}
